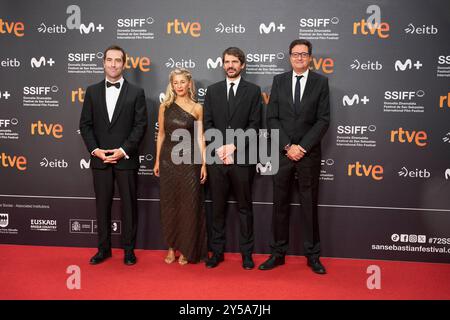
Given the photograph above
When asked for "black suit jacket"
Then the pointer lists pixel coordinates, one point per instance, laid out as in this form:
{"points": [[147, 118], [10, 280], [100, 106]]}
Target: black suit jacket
{"points": [[126, 128], [308, 128], [245, 115]]}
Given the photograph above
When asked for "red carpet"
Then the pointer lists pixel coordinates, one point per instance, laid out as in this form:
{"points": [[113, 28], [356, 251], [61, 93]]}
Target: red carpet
{"points": [[32, 272]]}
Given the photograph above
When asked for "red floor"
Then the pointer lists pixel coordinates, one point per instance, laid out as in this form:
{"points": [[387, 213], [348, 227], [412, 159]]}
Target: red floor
{"points": [[32, 272]]}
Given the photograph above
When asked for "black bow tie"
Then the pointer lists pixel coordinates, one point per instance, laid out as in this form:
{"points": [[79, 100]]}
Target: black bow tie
{"points": [[109, 84]]}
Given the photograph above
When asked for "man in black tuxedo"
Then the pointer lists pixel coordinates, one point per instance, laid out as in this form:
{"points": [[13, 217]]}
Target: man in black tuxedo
{"points": [[299, 108], [232, 104], [112, 124]]}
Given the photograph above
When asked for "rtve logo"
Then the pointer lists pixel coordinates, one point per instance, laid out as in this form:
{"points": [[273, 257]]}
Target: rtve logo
{"points": [[42, 61], [271, 27], [16, 28], [354, 100], [141, 63], [405, 136], [42, 129], [400, 66], [4, 95], [78, 95], [73, 22], [373, 25], [326, 65], [442, 99], [213, 64], [424, 29], [361, 170], [16, 162], [179, 27]]}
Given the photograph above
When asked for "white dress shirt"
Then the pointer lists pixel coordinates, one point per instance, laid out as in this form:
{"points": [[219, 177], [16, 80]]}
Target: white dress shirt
{"points": [[302, 83], [112, 95], [236, 84]]}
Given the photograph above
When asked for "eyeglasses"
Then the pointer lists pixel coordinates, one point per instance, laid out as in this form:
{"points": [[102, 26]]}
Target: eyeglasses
{"points": [[302, 55]]}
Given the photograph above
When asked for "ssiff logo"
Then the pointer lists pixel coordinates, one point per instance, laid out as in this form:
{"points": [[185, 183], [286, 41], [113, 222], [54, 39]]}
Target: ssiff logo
{"points": [[373, 25]]}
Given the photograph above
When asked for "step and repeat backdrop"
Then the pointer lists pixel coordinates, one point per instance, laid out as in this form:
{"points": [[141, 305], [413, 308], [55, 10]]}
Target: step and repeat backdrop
{"points": [[385, 177]]}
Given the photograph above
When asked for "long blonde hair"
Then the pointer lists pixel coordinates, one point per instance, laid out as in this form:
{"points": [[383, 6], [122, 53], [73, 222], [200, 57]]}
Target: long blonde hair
{"points": [[170, 92]]}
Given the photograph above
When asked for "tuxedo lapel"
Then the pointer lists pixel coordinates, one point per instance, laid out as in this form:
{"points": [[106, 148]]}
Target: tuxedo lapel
{"points": [[310, 82], [120, 102], [241, 90], [104, 108], [287, 85]]}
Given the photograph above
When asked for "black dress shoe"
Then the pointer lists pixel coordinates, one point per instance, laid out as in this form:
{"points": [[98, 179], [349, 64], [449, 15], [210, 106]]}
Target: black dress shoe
{"points": [[272, 262], [316, 266], [247, 262], [100, 256], [129, 259], [214, 260]]}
